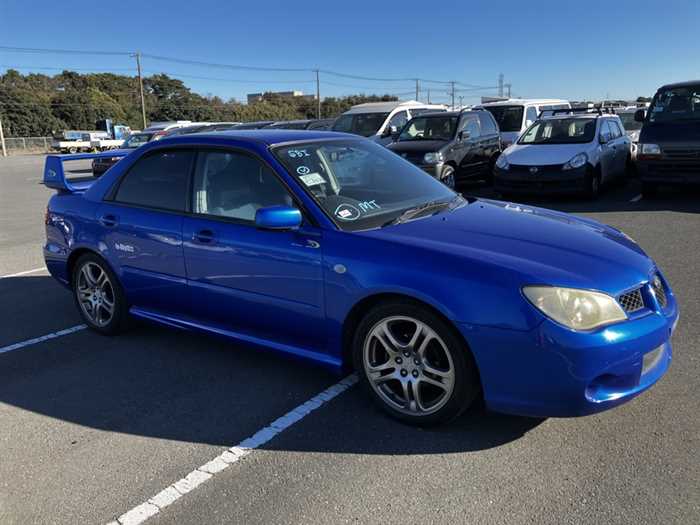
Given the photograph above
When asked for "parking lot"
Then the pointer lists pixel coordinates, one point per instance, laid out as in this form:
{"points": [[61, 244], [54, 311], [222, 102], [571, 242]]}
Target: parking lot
{"points": [[91, 427]]}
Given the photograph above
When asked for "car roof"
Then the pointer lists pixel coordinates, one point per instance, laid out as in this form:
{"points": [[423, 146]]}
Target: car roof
{"points": [[523, 101], [386, 107], [268, 136], [687, 83]]}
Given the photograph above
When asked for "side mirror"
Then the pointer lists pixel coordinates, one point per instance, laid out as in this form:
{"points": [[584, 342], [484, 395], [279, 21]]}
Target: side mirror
{"points": [[278, 218], [390, 131], [463, 135], [639, 115], [603, 138], [528, 123]]}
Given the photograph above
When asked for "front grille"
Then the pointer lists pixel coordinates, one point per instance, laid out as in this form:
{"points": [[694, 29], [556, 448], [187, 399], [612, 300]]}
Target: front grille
{"points": [[691, 154], [551, 169], [631, 301], [659, 291], [415, 158]]}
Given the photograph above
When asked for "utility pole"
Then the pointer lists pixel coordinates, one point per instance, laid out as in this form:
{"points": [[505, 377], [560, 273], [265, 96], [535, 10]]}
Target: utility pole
{"points": [[428, 95], [318, 96], [417, 89], [500, 85], [143, 102], [452, 92], [2, 140], [460, 101], [508, 86]]}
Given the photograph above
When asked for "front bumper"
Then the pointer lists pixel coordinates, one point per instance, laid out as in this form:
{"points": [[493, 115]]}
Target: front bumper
{"points": [[434, 170], [552, 371], [550, 181], [665, 171]]}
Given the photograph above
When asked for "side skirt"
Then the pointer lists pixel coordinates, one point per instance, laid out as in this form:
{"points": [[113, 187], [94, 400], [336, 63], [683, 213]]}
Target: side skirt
{"points": [[327, 361]]}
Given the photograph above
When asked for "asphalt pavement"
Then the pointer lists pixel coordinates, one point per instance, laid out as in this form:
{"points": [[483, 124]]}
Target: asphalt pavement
{"points": [[91, 426]]}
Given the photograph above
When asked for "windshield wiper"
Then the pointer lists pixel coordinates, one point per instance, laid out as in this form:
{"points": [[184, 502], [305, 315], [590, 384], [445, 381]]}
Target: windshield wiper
{"points": [[435, 205]]}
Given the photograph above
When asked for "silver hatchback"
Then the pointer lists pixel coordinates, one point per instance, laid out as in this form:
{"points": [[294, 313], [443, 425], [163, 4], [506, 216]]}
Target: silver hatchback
{"points": [[570, 151]]}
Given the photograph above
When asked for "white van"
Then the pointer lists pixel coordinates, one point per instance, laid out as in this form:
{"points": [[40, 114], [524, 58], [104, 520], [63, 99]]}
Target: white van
{"points": [[515, 115], [380, 121]]}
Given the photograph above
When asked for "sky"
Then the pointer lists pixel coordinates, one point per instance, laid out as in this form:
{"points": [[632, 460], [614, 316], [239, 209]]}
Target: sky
{"points": [[576, 51]]}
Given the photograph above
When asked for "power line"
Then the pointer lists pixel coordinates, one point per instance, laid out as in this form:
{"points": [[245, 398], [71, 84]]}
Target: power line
{"points": [[47, 68], [234, 66], [63, 51]]}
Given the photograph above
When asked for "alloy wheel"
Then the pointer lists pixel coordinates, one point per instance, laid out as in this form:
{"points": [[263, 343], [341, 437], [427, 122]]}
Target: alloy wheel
{"points": [[408, 365], [95, 294]]}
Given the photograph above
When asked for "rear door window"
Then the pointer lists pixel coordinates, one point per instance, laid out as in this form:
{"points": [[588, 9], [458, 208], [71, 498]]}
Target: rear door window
{"points": [[488, 125], [158, 180]]}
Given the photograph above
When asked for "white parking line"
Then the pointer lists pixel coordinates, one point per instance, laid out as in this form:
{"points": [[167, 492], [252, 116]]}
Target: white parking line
{"points": [[637, 198], [40, 339], [191, 481], [27, 272]]}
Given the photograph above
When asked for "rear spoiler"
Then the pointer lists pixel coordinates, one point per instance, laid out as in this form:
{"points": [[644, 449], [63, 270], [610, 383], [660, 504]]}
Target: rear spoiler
{"points": [[55, 177]]}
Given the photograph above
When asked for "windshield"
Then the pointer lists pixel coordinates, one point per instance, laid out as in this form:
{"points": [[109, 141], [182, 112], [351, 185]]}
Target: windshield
{"points": [[560, 131], [509, 118], [134, 141], [365, 124], [429, 128], [628, 121], [360, 184], [676, 104]]}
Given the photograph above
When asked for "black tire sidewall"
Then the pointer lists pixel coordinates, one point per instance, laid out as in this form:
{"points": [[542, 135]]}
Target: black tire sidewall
{"points": [[467, 384], [118, 322], [448, 169]]}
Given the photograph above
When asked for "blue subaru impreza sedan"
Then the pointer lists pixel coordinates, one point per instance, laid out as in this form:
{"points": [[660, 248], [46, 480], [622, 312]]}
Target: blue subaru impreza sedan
{"points": [[331, 248]]}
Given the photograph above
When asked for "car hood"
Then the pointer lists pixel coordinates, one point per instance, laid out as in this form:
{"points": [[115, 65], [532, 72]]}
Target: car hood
{"points": [[670, 132], [544, 154], [527, 245], [417, 146]]}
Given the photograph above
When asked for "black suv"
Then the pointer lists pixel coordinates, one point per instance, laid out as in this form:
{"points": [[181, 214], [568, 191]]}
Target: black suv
{"points": [[451, 146], [669, 142]]}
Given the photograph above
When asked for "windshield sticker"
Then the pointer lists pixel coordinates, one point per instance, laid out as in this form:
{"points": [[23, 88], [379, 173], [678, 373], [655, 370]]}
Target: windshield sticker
{"points": [[369, 206], [312, 179], [303, 170], [347, 212], [298, 153]]}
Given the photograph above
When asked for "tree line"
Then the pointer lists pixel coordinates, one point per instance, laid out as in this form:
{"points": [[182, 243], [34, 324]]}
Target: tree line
{"points": [[40, 105]]}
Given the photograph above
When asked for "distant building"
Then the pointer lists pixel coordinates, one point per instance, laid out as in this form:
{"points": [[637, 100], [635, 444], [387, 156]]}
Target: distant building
{"points": [[259, 97]]}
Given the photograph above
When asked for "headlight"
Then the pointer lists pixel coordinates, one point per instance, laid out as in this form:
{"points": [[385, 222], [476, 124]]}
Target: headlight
{"points": [[433, 157], [502, 162], [574, 308], [576, 162], [651, 149]]}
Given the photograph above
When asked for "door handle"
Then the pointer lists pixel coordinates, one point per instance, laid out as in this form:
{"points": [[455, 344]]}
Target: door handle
{"points": [[204, 236], [109, 220]]}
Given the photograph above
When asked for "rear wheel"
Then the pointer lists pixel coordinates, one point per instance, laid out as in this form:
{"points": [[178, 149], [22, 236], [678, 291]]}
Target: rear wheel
{"points": [[99, 296], [413, 364]]}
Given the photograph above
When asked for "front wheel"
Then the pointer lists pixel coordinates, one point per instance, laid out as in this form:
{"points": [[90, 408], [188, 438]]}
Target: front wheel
{"points": [[593, 183], [99, 296], [447, 177], [649, 189], [413, 364]]}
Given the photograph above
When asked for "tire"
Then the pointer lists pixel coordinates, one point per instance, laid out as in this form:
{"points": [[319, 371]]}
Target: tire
{"points": [[447, 177], [593, 184], [431, 381], [72, 150], [649, 189], [94, 293]]}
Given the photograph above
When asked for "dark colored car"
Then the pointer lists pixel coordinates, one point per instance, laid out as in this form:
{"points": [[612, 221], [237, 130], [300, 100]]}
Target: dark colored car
{"points": [[669, 142], [452, 145], [311, 124], [102, 164]]}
